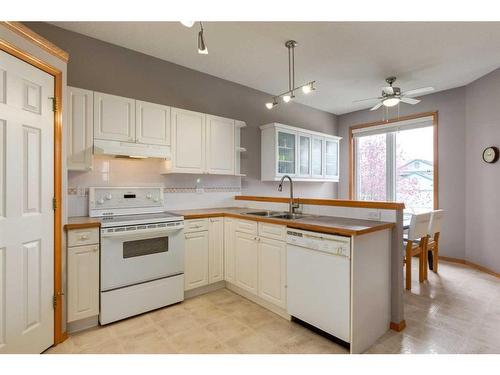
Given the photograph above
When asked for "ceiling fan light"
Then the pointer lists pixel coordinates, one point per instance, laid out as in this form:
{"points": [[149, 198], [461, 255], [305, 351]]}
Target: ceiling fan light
{"points": [[391, 102], [188, 23]]}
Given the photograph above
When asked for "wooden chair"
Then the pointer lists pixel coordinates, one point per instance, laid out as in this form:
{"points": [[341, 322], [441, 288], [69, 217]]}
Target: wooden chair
{"points": [[416, 245], [433, 241]]}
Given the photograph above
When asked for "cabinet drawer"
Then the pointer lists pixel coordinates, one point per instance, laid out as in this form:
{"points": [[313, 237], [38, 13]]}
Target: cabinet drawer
{"points": [[87, 236], [272, 231], [195, 225], [246, 226]]}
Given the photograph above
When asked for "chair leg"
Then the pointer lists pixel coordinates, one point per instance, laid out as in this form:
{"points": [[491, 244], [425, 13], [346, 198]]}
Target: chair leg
{"points": [[409, 245], [421, 264], [436, 253], [424, 251]]}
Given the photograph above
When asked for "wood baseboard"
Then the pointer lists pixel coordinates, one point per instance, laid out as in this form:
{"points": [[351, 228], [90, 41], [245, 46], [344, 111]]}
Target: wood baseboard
{"points": [[470, 264], [398, 327]]}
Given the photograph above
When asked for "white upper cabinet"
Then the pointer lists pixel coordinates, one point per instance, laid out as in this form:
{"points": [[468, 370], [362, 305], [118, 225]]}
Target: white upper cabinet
{"points": [[152, 123], [188, 141], [303, 154], [220, 145], [114, 117], [80, 128]]}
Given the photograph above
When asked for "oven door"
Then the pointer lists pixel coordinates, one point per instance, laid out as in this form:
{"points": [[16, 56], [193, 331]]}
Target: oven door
{"points": [[131, 256]]}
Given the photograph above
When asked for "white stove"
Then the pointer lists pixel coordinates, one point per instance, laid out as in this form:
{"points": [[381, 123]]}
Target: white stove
{"points": [[142, 251]]}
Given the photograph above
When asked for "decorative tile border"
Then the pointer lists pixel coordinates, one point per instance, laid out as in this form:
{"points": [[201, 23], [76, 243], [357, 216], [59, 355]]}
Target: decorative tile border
{"points": [[170, 190]]}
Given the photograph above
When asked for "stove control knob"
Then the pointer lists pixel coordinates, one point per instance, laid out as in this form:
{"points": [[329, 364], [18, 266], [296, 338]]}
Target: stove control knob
{"points": [[108, 197], [149, 196], [100, 201]]}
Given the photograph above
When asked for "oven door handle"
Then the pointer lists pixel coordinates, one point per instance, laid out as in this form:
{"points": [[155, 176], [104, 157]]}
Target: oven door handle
{"points": [[141, 232]]}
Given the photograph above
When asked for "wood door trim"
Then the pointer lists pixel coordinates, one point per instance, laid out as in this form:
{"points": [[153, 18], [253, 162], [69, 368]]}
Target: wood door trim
{"points": [[57, 74], [36, 39], [326, 202], [434, 115]]}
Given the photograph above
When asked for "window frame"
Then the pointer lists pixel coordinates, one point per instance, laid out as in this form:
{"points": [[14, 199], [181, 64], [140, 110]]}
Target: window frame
{"points": [[391, 144]]}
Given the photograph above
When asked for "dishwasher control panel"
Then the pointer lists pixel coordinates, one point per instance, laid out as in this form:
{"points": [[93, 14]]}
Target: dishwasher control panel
{"points": [[327, 243]]}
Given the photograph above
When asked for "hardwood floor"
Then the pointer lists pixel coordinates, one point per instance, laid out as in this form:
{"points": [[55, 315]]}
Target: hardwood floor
{"points": [[457, 311]]}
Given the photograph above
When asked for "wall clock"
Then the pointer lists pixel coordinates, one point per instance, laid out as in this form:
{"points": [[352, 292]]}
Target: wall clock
{"points": [[490, 154]]}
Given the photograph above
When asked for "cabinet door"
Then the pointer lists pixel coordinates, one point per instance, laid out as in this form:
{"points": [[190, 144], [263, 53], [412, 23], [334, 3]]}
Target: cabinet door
{"points": [[317, 156], [304, 155], [246, 262], [331, 158], [114, 117], [220, 145], [152, 123], [195, 260], [286, 149], [80, 128], [188, 141], [83, 282], [272, 271], [229, 244], [216, 250]]}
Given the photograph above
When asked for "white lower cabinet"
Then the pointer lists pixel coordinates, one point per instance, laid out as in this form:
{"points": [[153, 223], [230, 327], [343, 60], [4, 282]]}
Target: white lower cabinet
{"points": [[272, 271], [246, 262], [216, 249], [229, 249], [196, 260], [83, 282]]}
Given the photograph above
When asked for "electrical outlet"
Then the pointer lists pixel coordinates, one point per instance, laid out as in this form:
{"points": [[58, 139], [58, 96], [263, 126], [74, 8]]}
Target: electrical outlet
{"points": [[374, 215]]}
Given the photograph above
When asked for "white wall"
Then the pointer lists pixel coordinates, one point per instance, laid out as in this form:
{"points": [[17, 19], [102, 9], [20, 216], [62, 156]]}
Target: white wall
{"points": [[450, 105]]}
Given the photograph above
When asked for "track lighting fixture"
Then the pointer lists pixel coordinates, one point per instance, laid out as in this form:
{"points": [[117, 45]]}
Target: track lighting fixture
{"points": [[290, 94], [188, 23], [202, 47]]}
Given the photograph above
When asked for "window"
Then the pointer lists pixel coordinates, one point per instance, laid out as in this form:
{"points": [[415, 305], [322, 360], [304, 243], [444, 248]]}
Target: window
{"points": [[395, 162]]}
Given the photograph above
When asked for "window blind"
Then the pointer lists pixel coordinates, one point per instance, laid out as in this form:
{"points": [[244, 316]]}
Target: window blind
{"points": [[397, 126]]}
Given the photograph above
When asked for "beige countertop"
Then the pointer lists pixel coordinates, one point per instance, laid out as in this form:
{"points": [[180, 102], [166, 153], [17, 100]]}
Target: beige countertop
{"points": [[324, 224]]}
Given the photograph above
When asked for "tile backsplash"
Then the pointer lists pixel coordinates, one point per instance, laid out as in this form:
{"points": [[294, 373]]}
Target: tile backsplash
{"points": [[182, 191]]}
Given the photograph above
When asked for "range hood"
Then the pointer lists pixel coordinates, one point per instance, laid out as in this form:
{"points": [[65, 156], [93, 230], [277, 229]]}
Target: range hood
{"points": [[138, 150]]}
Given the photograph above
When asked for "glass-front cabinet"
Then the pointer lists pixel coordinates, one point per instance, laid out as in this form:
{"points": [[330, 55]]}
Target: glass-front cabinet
{"points": [[287, 149], [303, 154]]}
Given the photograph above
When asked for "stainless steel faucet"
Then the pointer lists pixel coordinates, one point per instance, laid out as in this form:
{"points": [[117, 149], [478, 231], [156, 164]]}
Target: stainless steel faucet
{"points": [[293, 205]]}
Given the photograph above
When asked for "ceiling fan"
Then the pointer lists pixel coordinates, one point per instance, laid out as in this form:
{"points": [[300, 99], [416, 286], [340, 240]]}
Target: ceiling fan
{"points": [[392, 96]]}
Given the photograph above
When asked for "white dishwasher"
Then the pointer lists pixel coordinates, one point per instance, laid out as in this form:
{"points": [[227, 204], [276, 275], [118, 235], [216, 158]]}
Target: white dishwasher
{"points": [[318, 281]]}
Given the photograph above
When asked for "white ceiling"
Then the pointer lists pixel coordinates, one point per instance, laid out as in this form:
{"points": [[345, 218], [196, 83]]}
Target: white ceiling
{"points": [[349, 60]]}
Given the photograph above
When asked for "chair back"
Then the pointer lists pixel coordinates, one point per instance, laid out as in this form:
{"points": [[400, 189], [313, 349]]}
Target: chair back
{"points": [[435, 223], [419, 226]]}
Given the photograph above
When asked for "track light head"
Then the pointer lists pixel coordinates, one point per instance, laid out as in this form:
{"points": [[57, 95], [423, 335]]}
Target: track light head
{"points": [[202, 47], [188, 23]]}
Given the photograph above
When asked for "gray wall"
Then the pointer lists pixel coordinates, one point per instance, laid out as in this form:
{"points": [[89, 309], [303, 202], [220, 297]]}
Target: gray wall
{"points": [[100, 66], [450, 105], [482, 230]]}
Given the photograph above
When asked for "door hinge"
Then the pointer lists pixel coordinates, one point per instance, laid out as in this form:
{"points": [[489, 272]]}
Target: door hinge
{"points": [[54, 103], [54, 203]]}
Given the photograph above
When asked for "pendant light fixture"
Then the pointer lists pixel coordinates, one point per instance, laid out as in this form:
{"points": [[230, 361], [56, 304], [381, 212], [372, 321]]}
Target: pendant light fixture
{"points": [[289, 95], [202, 47]]}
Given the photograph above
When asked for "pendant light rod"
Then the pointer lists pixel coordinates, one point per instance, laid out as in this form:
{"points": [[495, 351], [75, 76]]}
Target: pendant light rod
{"points": [[290, 94]]}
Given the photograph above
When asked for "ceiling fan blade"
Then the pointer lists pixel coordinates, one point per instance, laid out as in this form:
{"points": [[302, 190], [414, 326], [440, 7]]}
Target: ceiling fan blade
{"points": [[419, 91], [364, 100], [376, 106], [389, 90], [410, 100]]}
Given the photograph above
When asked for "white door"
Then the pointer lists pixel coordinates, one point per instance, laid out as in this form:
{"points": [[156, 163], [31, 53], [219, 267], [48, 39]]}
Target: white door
{"points": [[83, 282], [196, 260], [272, 271], [114, 117], [152, 123], [304, 155], [220, 145], [188, 141], [229, 249], [80, 128], [26, 215], [246, 262], [286, 149], [317, 153], [216, 249]]}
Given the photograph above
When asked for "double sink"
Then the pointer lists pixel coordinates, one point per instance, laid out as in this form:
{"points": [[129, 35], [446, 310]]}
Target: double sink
{"points": [[276, 215]]}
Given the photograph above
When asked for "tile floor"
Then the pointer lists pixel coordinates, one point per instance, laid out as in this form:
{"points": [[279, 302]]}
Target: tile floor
{"points": [[457, 311]]}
